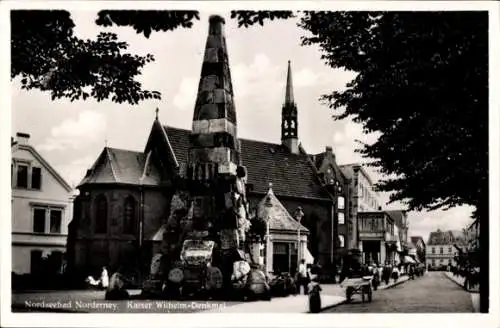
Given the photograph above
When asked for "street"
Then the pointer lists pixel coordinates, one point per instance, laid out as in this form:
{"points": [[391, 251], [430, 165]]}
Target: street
{"points": [[431, 293]]}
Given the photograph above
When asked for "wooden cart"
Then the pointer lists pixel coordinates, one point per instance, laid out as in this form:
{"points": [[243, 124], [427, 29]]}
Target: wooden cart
{"points": [[361, 286]]}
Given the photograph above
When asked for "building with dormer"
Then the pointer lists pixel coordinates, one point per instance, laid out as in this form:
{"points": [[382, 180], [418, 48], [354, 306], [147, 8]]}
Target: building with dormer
{"points": [[41, 209], [441, 248]]}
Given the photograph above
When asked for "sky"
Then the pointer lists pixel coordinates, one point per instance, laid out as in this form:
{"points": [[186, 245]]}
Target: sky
{"points": [[70, 135]]}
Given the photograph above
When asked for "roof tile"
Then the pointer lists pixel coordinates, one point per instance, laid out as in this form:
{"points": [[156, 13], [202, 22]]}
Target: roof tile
{"points": [[291, 174], [280, 218]]}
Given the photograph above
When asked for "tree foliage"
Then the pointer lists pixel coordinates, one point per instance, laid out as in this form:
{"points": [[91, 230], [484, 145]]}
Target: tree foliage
{"points": [[146, 21], [46, 54], [248, 18], [422, 83]]}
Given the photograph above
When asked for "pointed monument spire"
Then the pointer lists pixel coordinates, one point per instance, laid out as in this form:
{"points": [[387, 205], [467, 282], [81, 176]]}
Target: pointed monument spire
{"points": [[289, 86], [213, 142], [289, 122]]}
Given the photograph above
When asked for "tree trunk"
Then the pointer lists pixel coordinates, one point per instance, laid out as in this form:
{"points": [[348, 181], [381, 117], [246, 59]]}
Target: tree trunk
{"points": [[484, 244]]}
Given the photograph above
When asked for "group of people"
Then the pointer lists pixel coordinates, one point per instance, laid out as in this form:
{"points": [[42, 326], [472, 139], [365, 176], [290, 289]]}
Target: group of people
{"points": [[307, 277], [470, 273], [383, 273], [114, 285]]}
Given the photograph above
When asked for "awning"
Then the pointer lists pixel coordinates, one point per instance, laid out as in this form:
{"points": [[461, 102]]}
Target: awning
{"points": [[408, 259], [308, 257]]}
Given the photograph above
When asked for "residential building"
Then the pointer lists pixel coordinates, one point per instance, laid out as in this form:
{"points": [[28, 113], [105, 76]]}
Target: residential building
{"points": [[378, 235], [401, 226], [41, 209], [441, 250], [362, 198], [417, 248], [126, 196]]}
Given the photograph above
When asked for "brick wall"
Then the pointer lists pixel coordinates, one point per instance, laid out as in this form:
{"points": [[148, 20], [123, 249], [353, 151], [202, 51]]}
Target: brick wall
{"points": [[90, 250]]}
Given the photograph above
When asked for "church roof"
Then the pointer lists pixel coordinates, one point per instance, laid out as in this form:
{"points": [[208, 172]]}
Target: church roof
{"points": [[121, 166], [291, 174], [280, 219]]}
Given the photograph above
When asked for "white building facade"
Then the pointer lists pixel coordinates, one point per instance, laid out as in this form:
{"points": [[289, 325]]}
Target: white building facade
{"points": [[41, 209], [440, 248], [363, 198]]}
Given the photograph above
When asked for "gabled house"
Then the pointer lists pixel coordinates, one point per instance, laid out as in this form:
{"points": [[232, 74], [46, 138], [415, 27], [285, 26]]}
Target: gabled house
{"points": [[41, 210]]}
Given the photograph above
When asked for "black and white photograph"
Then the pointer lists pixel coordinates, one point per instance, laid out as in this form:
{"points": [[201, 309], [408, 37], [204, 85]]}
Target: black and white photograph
{"points": [[252, 159]]}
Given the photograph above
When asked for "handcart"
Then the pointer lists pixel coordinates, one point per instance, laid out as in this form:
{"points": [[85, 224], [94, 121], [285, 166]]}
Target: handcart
{"points": [[361, 286]]}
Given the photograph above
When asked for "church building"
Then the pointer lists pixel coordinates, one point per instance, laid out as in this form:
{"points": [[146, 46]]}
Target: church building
{"points": [[125, 197]]}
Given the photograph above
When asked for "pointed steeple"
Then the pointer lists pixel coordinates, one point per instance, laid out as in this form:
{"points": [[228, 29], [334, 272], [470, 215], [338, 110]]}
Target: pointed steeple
{"points": [[213, 142], [289, 86], [289, 122]]}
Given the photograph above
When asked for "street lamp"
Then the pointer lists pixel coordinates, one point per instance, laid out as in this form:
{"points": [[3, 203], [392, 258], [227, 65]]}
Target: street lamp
{"points": [[268, 204], [298, 216]]}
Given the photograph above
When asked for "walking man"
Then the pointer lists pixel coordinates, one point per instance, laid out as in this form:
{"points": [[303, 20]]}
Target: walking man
{"points": [[302, 280]]}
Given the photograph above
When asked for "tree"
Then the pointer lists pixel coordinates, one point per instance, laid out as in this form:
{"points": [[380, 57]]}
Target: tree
{"points": [[48, 56], [422, 83]]}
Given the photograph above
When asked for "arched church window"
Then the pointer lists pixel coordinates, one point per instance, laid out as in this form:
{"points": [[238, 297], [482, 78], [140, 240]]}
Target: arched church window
{"points": [[292, 124], [129, 216], [101, 214], [286, 124]]}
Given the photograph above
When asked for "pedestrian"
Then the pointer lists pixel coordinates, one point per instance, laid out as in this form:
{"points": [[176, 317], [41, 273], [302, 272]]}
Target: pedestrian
{"points": [[104, 282], [302, 280], [116, 289], [395, 273], [387, 273], [376, 278], [411, 272], [314, 291]]}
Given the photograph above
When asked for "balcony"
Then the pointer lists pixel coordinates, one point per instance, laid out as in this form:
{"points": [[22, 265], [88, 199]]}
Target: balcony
{"points": [[390, 238]]}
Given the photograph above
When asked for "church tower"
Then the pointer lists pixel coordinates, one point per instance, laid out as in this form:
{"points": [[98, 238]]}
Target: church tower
{"points": [[289, 123]]}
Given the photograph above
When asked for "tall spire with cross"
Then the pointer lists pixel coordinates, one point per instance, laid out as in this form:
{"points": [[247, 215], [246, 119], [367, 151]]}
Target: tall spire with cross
{"points": [[289, 86], [289, 121]]}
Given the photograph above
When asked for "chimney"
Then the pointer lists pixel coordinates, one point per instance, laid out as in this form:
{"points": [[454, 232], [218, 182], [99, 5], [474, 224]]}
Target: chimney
{"points": [[23, 138], [329, 149]]}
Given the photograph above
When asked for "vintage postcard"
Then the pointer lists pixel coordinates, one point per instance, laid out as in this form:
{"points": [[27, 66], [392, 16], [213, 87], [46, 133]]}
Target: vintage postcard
{"points": [[250, 163]]}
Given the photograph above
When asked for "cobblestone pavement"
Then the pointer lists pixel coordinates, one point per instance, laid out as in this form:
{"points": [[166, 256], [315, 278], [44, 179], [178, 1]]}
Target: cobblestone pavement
{"points": [[339, 290], [433, 292]]}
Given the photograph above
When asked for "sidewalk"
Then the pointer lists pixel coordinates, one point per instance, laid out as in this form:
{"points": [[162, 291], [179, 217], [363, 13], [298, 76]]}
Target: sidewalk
{"points": [[332, 295], [474, 293], [290, 304], [460, 281]]}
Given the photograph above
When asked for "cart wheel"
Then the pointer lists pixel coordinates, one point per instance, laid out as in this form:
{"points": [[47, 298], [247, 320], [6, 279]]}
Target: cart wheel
{"points": [[370, 295]]}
